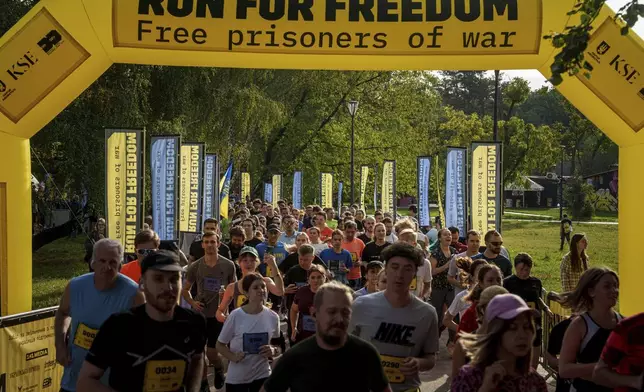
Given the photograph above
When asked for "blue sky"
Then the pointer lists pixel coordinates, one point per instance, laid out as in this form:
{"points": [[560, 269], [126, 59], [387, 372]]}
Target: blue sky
{"points": [[537, 80]]}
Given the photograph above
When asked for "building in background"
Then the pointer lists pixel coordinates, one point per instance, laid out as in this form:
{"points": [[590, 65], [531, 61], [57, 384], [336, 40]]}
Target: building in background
{"points": [[606, 189]]}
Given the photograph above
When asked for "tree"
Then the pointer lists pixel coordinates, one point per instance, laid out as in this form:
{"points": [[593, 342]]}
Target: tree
{"points": [[578, 195], [469, 91], [574, 40]]}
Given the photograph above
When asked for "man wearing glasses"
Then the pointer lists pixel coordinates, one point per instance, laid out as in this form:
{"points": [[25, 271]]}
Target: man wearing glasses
{"points": [[493, 250], [290, 234], [145, 242]]}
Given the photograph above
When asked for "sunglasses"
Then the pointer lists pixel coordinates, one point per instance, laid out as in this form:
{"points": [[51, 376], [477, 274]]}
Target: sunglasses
{"points": [[144, 252], [496, 243]]}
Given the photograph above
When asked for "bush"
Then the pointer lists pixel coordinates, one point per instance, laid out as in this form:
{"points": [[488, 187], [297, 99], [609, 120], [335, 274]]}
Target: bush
{"points": [[578, 195]]}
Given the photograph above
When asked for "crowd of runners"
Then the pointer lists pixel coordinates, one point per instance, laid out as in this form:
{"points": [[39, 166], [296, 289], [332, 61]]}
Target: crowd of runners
{"points": [[364, 299]]}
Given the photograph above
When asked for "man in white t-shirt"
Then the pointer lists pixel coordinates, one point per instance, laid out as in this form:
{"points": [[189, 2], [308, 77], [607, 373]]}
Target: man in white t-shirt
{"points": [[421, 285], [473, 241]]}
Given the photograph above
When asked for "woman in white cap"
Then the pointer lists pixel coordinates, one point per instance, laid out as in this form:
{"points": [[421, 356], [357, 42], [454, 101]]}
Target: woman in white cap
{"points": [[501, 353], [234, 296]]}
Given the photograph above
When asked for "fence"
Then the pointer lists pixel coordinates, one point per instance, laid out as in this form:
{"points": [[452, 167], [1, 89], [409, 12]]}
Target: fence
{"points": [[548, 322]]}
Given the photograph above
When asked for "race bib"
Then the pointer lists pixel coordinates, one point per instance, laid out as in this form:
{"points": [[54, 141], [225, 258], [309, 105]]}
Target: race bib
{"points": [[164, 376], [211, 284], [252, 342], [413, 284], [84, 336], [391, 366], [308, 324], [241, 298]]}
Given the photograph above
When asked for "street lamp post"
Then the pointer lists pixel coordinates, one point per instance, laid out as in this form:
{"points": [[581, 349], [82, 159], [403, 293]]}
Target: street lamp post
{"points": [[353, 109], [497, 75]]}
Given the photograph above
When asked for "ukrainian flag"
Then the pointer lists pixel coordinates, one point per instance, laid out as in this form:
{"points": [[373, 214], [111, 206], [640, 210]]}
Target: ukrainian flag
{"points": [[224, 191]]}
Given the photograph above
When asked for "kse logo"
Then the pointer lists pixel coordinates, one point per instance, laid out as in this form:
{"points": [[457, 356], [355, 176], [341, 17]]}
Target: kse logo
{"points": [[50, 42]]}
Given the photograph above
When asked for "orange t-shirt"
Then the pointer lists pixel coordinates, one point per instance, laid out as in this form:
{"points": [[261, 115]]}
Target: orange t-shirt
{"points": [[354, 247], [132, 270]]}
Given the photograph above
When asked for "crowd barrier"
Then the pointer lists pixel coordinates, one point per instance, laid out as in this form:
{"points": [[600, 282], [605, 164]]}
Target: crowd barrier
{"points": [[548, 322], [28, 353]]}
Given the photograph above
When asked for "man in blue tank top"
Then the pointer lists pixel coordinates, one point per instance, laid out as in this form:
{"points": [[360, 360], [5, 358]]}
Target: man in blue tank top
{"points": [[87, 302]]}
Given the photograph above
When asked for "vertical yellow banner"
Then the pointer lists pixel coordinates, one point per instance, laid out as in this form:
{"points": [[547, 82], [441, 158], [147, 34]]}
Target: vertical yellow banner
{"points": [[364, 176], [189, 188], [486, 187], [326, 190], [277, 189], [124, 172], [388, 187], [245, 186]]}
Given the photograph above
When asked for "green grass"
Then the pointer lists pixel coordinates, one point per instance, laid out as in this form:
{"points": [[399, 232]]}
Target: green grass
{"points": [[541, 241], [55, 264]]}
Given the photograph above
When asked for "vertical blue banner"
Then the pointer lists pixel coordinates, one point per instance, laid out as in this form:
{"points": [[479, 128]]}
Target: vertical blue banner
{"points": [[164, 165], [297, 190], [210, 183], [268, 192], [340, 187], [424, 169], [455, 190]]}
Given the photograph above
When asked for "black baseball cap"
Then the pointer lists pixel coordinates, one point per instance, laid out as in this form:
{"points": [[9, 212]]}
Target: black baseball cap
{"points": [[273, 227], [161, 260]]}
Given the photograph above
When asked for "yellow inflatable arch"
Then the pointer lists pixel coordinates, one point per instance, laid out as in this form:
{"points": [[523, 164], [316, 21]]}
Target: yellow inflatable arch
{"points": [[61, 46]]}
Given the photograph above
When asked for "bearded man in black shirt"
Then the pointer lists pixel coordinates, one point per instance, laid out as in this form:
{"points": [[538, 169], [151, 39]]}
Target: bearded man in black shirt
{"points": [[157, 346]]}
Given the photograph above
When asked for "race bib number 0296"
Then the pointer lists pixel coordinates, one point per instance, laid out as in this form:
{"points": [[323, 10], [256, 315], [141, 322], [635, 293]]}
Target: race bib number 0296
{"points": [[391, 366], [164, 376]]}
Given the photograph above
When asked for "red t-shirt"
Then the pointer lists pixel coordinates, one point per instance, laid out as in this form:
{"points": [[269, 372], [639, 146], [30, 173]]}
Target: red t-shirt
{"points": [[468, 323], [624, 350], [304, 301], [354, 247], [460, 248]]}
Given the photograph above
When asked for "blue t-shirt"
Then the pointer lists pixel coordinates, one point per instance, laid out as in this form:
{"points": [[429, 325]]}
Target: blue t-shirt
{"points": [[333, 260], [279, 251]]}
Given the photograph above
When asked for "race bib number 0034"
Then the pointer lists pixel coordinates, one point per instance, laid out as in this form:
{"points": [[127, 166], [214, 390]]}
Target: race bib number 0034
{"points": [[164, 376], [84, 336], [391, 366]]}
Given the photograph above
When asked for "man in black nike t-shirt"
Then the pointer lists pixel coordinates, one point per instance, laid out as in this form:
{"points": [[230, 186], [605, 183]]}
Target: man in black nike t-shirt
{"points": [[157, 346], [318, 363]]}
